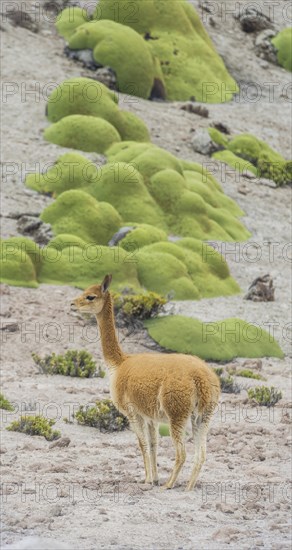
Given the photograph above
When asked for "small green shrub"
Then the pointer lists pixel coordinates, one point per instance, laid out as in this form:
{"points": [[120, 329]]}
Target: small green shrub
{"points": [[35, 425], [264, 396], [219, 371], [73, 363], [247, 373], [227, 383], [139, 306], [5, 404], [103, 416]]}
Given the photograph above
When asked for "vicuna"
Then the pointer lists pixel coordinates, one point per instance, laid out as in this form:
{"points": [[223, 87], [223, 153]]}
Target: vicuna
{"points": [[153, 387]]}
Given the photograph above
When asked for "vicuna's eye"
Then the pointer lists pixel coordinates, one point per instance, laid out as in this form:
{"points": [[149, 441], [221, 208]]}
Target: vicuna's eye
{"points": [[90, 298]]}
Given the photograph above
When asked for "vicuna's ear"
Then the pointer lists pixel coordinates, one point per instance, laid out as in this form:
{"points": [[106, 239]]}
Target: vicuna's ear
{"points": [[106, 283]]}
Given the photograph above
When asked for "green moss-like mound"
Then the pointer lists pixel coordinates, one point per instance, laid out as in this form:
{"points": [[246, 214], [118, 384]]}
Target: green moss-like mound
{"points": [[188, 269], [191, 203], [190, 64], [147, 185], [65, 240], [239, 164], [132, 127], [283, 43], [18, 267], [70, 171], [218, 137], [142, 235], [86, 133], [121, 48], [69, 19], [220, 341], [152, 41], [165, 274], [79, 214], [246, 152], [123, 186], [80, 266], [84, 96], [250, 148], [29, 247]]}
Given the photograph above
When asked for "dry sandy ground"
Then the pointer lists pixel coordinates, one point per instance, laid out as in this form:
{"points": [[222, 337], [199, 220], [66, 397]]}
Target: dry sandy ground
{"points": [[89, 495]]}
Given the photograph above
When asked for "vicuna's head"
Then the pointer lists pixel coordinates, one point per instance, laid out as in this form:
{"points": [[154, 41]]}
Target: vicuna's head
{"points": [[93, 298]]}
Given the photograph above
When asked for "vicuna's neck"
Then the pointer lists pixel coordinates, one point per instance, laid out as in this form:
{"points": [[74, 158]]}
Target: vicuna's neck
{"points": [[112, 352]]}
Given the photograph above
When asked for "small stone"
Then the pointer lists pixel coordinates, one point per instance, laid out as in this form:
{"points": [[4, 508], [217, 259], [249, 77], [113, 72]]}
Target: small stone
{"points": [[63, 442], [264, 47], [225, 508], [225, 533], [202, 143], [264, 64], [243, 190], [261, 290], [253, 364], [4, 289], [56, 510], [195, 109], [253, 20]]}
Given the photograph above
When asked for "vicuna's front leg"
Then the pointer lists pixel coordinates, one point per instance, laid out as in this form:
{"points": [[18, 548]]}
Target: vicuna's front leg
{"points": [[139, 427]]}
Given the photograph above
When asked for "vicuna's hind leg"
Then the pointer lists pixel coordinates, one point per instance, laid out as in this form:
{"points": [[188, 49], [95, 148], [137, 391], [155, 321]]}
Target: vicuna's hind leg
{"points": [[177, 434], [153, 437], [138, 426], [200, 429]]}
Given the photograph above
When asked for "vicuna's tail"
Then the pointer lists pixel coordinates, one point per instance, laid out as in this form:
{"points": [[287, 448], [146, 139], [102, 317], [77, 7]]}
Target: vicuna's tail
{"points": [[207, 390]]}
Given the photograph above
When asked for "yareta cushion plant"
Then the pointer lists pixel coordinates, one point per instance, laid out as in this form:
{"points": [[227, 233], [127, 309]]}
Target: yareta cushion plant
{"points": [[283, 44], [245, 152], [148, 185], [151, 44], [86, 116], [217, 341], [186, 270]]}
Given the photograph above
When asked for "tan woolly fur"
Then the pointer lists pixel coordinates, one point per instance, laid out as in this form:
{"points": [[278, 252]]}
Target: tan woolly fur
{"points": [[152, 387]]}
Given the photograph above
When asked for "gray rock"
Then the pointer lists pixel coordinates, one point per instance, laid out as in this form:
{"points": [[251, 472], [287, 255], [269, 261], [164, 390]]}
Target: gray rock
{"points": [[119, 235], [85, 57], [106, 75], [199, 110], [264, 47], [261, 290], [253, 364], [253, 20], [202, 143], [33, 227], [20, 18]]}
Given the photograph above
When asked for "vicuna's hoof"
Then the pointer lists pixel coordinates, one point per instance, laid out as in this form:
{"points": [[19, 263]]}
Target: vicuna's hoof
{"points": [[165, 486]]}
